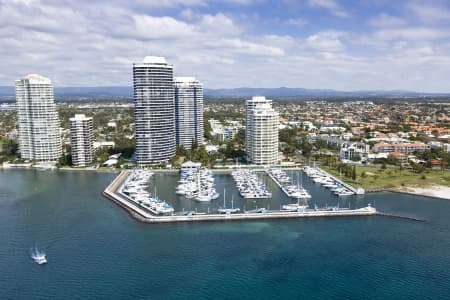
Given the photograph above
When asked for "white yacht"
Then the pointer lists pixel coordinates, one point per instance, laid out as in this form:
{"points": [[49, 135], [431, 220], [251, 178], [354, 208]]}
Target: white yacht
{"points": [[203, 198], [294, 207], [249, 184], [163, 208], [300, 194]]}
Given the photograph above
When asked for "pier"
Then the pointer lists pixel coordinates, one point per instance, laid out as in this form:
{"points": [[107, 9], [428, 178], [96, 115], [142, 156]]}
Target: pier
{"points": [[145, 216], [358, 191], [280, 185]]}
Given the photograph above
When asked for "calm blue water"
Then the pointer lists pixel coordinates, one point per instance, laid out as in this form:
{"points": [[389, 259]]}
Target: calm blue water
{"points": [[96, 250]]}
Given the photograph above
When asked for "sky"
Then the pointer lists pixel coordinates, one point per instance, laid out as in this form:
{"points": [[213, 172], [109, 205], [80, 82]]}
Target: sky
{"points": [[318, 44]]}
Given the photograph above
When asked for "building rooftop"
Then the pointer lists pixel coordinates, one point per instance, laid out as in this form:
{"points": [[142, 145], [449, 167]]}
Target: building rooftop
{"points": [[154, 60], [258, 98], [185, 79], [80, 117], [36, 79]]}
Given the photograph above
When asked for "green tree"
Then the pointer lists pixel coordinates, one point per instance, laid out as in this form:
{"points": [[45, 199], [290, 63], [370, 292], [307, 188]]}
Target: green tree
{"points": [[240, 137], [66, 158], [10, 147], [181, 151], [207, 130]]}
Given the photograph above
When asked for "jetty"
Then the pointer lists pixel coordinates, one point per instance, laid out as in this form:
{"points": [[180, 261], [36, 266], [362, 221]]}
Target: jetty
{"points": [[358, 191], [278, 183], [145, 216]]}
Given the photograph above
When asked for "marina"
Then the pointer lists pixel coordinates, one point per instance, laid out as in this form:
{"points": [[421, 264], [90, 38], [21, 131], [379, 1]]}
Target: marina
{"points": [[134, 189], [336, 186], [285, 183], [249, 185], [327, 180], [226, 213], [196, 183]]}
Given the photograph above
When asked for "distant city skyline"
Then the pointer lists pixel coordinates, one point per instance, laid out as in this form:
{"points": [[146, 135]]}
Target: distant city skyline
{"points": [[315, 44]]}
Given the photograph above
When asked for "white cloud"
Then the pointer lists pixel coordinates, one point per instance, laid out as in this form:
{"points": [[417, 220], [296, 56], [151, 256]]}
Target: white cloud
{"points": [[332, 5], [187, 14], [299, 22], [385, 20], [412, 33], [161, 27], [430, 12], [77, 43], [169, 3], [327, 41], [239, 2], [219, 24]]}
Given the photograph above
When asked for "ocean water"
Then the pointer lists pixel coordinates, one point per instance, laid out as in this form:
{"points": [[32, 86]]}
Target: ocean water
{"points": [[95, 250]]}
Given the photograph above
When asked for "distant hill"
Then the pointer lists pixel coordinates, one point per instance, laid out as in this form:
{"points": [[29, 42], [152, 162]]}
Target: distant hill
{"points": [[282, 92], [112, 91], [7, 91], [301, 92]]}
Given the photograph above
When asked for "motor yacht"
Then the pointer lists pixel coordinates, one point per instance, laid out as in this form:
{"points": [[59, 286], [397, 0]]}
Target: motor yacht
{"points": [[38, 256]]}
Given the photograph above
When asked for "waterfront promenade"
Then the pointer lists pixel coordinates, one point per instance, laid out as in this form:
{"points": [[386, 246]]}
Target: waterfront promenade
{"points": [[145, 216]]}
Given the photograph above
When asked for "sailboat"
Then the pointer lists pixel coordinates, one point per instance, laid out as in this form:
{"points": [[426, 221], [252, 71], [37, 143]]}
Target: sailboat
{"points": [[225, 210], [299, 192]]}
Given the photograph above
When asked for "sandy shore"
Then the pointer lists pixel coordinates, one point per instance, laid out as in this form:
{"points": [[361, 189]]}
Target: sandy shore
{"points": [[433, 191]]}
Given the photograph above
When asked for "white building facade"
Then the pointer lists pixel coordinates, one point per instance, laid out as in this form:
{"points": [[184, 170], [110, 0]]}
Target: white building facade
{"points": [[39, 126], [354, 151], [81, 140], [261, 136], [188, 111], [154, 110]]}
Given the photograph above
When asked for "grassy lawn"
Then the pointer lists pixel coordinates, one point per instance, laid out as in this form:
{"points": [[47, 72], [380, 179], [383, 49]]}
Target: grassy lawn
{"points": [[377, 178]]}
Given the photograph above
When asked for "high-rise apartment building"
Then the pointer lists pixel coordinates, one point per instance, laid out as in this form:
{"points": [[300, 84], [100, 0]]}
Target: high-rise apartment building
{"points": [[261, 136], [81, 140], [249, 106], [154, 110], [39, 127], [188, 111]]}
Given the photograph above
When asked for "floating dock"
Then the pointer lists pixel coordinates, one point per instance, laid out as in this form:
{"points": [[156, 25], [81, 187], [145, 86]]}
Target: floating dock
{"points": [[145, 216]]}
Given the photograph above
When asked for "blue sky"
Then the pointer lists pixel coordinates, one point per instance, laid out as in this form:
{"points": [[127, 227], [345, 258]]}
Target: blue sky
{"points": [[333, 44]]}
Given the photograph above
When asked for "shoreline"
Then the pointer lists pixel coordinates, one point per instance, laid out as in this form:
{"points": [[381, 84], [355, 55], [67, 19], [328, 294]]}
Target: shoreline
{"points": [[61, 169], [437, 191]]}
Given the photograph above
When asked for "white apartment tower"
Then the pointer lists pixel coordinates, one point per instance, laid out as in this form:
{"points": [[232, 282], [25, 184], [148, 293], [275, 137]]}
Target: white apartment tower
{"points": [[81, 140], [188, 111], [261, 137], [154, 110], [39, 127]]}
